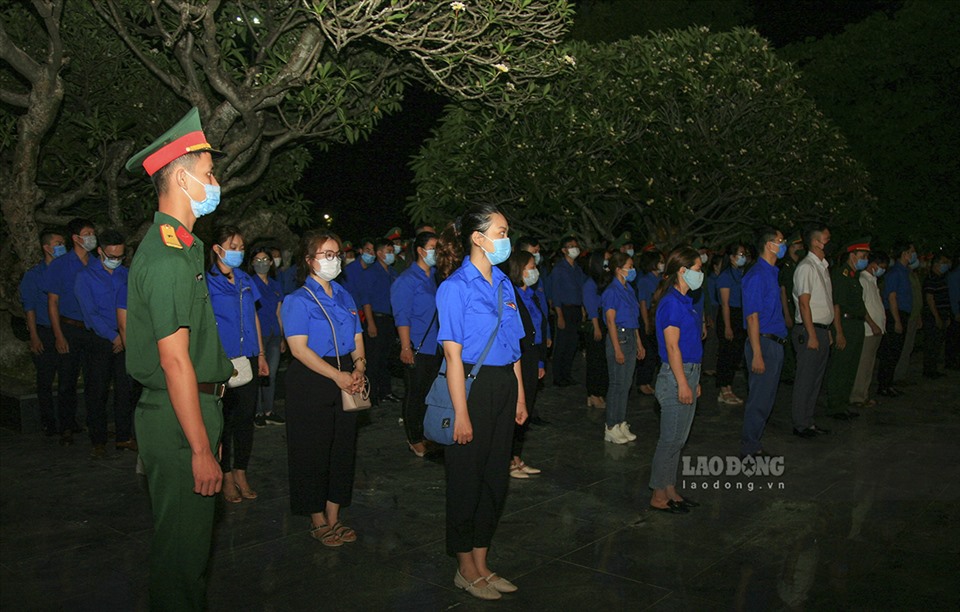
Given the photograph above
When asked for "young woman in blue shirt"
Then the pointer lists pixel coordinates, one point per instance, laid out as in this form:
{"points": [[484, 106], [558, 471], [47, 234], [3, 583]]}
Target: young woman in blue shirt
{"points": [[263, 271], [730, 332], [471, 293], [595, 337], [678, 329]]}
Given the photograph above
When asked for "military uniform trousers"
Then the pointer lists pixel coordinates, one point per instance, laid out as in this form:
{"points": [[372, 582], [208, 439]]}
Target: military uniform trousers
{"points": [[842, 369], [183, 520]]}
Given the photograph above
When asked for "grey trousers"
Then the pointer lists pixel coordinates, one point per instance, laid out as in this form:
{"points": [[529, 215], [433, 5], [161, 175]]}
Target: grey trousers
{"points": [[910, 337], [868, 359], [811, 366]]}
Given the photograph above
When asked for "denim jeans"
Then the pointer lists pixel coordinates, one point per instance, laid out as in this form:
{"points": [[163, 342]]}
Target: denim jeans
{"points": [[675, 422], [271, 346], [763, 393], [620, 374]]}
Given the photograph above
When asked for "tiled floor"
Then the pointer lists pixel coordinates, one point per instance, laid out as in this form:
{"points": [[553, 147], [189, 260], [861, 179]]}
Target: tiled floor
{"points": [[867, 517]]}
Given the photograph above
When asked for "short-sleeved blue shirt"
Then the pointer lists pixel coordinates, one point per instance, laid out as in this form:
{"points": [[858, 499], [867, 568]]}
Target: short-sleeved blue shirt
{"points": [[413, 297], [235, 309], [532, 301], [730, 279], [468, 314], [761, 295], [350, 280], [375, 284], [566, 284], [59, 279], [646, 285], [676, 310], [622, 300], [591, 301], [32, 294], [271, 294], [97, 291], [302, 317], [288, 279], [896, 280]]}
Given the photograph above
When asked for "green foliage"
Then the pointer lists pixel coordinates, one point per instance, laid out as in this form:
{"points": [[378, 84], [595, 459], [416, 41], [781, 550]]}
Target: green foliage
{"points": [[685, 135]]}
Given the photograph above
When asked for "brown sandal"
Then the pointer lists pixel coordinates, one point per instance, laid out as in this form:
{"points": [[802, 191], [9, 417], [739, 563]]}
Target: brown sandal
{"points": [[326, 535], [346, 534], [234, 498]]}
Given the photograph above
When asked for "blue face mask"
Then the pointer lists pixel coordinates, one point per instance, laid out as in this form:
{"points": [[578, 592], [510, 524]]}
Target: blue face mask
{"points": [[861, 264], [944, 268], [631, 275], [59, 251], [629, 252], [368, 259], [501, 250], [209, 203], [782, 250], [431, 257], [232, 259], [693, 278], [111, 264], [879, 272], [389, 258], [914, 263], [913, 258], [741, 261]]}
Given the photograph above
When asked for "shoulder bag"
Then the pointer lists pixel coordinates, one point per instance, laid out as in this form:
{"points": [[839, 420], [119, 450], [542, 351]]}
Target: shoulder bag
{"points": [[352, 402], [440, 415]]}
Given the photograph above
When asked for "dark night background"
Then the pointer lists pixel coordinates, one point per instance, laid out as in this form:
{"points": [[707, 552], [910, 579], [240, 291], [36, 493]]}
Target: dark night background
{"points": [[371, 180]]}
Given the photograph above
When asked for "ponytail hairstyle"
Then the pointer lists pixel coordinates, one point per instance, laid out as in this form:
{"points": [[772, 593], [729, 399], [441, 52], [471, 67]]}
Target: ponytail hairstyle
{"points": [[596, 272], [684, 257], [454, 242], [729, 252], [221, 234], [307, 247]]}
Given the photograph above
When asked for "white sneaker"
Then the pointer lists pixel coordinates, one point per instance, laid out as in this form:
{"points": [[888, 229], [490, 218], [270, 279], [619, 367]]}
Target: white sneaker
{"points": [[625, 431], [613, 434]]}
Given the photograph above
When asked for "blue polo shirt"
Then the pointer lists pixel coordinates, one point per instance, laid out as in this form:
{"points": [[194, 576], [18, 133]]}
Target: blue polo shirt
{"points": [[235, 309], [646, 285], [591, 301], [676, 310], [97, 292], [622, 300], [698, 298], [271, 294], [533, 303], [761, 295], [287, 279], [468, 314], [375, 284], [32, 294], [566, 284], [413, 297], [730, 279], [59, 279], [896, 280], [302, 317], [350, 280]]}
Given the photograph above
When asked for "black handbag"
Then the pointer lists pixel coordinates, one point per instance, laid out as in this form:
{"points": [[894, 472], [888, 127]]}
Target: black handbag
{"points": [[439, 418]]}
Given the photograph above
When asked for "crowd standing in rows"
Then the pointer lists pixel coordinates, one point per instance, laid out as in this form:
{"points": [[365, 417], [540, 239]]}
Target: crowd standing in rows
{"points": [[196, 349]]}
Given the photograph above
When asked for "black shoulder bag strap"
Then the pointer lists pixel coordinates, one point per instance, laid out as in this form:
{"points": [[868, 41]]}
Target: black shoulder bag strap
{"points": [[476, 368]]}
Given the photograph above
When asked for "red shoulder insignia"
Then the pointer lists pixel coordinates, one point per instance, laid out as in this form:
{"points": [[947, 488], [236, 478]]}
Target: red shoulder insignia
{"points": [[185, 236]]}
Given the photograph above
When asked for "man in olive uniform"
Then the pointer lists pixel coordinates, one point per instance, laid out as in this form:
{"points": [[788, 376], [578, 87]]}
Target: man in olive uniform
{"points": [[850, 312], [174, 351], [787, 268]]}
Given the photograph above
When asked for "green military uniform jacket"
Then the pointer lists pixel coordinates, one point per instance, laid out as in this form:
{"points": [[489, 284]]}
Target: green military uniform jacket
{"points": [[166, 291], [848, 294]]}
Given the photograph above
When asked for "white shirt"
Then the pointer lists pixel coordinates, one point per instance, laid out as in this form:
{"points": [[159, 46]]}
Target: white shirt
{"points": [[871, 297], [812, 277]]}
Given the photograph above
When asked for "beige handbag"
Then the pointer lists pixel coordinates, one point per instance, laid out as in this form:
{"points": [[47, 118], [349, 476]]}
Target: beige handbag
{"points": [[242, 372], [352, 402]]}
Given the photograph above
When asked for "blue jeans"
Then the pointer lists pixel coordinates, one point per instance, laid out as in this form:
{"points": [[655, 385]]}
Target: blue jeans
{"points": [[271, 345], [675, 422], [762, 394], [620, 374]]}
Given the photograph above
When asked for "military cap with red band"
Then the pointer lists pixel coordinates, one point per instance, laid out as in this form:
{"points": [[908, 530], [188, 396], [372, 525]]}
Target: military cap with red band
{"points": [[184, 137], [861, 244]]}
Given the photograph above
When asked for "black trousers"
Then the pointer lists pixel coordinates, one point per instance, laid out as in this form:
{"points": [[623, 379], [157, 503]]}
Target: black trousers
{"points": [[103, 367], [596, 363], [71, 363], [729, 352], [46, 364], [239, 407], [477, 472], [321, 440], [952, 344], [889, 352], [529, 371], [419, 377], [647, 367], [379, 350], [565, 344], [933, 338]]}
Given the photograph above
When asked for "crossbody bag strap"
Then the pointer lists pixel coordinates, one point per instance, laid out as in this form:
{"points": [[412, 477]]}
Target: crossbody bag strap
{"points": [[336, 349], [476, 367], [426, 333]]}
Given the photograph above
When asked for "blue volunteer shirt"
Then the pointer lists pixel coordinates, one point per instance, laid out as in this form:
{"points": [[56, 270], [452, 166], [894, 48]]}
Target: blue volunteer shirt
{"points": [[698, 297], [897, 281], [622, 300], [761, 295], [953, 289], [533, 303], [413, 297], [97, 291], [288, 279], [730, 279], [271, 294], [566, 284], [33, 297], [302, 316], [468, 315], [350, 280], [591, 301], [375, 284], [646, 285], [59, 279], [235, 309], [676, 310]]}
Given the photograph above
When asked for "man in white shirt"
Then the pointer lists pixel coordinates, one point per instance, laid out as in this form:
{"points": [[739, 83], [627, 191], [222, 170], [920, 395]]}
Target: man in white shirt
{"points": [[876, 321], [813, 299]]}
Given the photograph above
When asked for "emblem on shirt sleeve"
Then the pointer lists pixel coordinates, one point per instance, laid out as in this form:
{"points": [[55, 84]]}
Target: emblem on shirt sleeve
{"points": [[511, 305], [169, 236]]}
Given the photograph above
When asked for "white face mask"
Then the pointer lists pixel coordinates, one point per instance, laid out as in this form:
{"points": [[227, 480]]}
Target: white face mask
{"points": [[660, 268], [536, 258], [277, 261], [704, 258], [329, 269], [573, 252], [530, 277]]}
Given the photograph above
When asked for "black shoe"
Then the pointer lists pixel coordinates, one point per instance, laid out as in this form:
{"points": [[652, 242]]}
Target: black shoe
{"points": [[818, 430], [274, 419], [689, 503], [888, 392], [259, 421], [390, 397], [540, 422], [806, 433], [672, 508]]}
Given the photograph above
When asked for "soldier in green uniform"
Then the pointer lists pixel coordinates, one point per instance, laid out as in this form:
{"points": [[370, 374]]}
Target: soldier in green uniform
{"points": [[849, 315], [174, 351], [787, 268]]}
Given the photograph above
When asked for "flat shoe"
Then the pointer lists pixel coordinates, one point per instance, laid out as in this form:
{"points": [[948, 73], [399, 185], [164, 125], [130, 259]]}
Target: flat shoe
{"points": [[326, 535], [480, 592], [233, 498], [346, 534], [527, 469], [672, 508], [518, 473], [501, 584], [689, 503], [247, 493]]}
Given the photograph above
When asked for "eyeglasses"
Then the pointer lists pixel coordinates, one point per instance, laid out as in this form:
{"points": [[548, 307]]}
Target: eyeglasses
{"points": [[328, 255], [262, 260]]}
